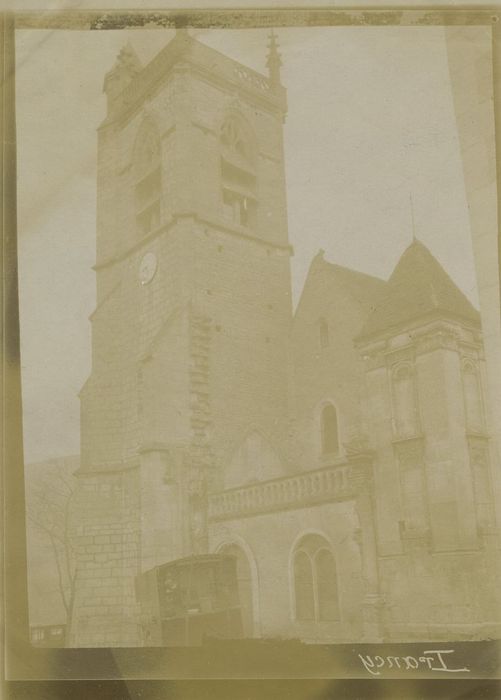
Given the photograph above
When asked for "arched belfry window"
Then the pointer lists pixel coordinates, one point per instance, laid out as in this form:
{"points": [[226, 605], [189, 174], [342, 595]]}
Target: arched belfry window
{"points": [[237, 141], [315, 581], [323, 333], [238, 171], [404, 401], [472, 396], [329, 430], [148, 180]]}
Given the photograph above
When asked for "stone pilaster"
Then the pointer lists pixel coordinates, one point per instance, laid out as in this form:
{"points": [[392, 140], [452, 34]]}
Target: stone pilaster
{"points": [[480, 463], [414, 529], [361, 478], [106, 540]]}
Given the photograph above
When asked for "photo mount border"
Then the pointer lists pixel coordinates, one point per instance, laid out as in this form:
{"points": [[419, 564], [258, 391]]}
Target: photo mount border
{"points": [[22, 661]]}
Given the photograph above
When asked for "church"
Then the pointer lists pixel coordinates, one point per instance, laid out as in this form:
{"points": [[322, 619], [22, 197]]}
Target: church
{"points": [[339, 455]]}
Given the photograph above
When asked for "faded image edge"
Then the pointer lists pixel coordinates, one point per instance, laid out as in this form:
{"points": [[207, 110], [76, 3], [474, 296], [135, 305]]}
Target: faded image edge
{"points": [[247, 471]]}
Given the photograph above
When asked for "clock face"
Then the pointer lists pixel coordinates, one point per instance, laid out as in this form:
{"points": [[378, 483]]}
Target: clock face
{"points": [[147, 268]]}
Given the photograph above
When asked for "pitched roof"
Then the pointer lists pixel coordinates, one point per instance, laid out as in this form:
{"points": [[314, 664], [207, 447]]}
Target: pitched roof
{"points": [[366, 289], [418, 286], [363, 288]]}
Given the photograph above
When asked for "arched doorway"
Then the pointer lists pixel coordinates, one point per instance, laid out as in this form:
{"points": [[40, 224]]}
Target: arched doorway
{"points": [[244, 579]]}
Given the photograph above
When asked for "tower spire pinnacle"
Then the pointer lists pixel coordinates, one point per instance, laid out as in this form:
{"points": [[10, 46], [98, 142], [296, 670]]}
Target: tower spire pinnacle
{"points": [[273, 61]]}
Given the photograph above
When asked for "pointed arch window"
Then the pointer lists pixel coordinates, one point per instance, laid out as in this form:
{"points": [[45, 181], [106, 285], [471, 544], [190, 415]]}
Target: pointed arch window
{"points": [[148, 180], [323, 332], [472, 396], [404, 401], [238, 171], [329, 430], [236, 141], [315, 581]]}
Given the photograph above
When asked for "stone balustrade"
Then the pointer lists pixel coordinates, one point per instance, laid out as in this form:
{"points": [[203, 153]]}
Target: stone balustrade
{"points": [[253, 78], [327, 484], [137, 89]]}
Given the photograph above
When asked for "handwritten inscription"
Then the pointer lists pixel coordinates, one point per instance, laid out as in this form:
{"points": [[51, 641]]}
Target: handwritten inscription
{"points": [[431, 660]]}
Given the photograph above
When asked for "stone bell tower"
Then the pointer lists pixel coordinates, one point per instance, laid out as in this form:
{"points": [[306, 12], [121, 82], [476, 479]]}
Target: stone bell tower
{"points": [[190, 331]]}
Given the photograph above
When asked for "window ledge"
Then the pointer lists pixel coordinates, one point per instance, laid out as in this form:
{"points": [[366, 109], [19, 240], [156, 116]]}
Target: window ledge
{"points": [[408, 439]]}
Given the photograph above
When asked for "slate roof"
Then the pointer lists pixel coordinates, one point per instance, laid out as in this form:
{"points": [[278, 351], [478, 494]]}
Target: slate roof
{"points": [[419, 285], [366, 289]]}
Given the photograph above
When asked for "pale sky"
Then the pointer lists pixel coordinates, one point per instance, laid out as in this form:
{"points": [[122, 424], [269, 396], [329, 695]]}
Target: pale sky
{"points": [[370, 123]]}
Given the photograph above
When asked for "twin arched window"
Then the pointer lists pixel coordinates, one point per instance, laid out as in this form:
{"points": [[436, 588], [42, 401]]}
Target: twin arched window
{"points": [[238, 174], [329, 430], [315, 581]]}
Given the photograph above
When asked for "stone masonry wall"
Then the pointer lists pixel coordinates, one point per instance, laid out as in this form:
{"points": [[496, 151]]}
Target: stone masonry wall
{"points": [[433, 596], [271, 558], [106, 537]]}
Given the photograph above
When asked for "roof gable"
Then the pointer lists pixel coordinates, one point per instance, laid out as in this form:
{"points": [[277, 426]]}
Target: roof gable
{"points": [[326, 279]]}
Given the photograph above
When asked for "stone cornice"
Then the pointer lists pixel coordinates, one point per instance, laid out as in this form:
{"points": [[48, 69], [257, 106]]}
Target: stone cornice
{"points": [[220, 224], [416, 327], [430, 335], [109, 468]]}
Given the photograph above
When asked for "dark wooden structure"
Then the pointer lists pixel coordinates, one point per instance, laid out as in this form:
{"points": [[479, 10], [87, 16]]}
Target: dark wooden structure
{"points": [[184, 601]]}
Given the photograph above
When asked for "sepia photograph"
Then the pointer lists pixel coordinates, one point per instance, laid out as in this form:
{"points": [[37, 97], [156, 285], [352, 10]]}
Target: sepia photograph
{"points": [[260, 339]]}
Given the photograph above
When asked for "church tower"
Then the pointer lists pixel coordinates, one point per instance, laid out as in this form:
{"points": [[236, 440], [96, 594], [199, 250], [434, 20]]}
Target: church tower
{"points": [[190, 331], [429, 425]]}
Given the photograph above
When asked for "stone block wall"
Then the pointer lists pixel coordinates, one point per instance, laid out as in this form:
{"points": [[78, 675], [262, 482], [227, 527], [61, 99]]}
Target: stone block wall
{"points": [[334, 372], [106, 537], [438, 596]]}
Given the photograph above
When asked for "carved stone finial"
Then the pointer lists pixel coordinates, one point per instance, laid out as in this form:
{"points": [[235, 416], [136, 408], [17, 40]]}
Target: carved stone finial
{"points": [[273, 61], [128, 60], [126, 67]]}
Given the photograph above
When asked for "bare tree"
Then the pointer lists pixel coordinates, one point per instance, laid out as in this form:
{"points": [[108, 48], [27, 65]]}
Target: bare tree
{"points": [[49, 495]]}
